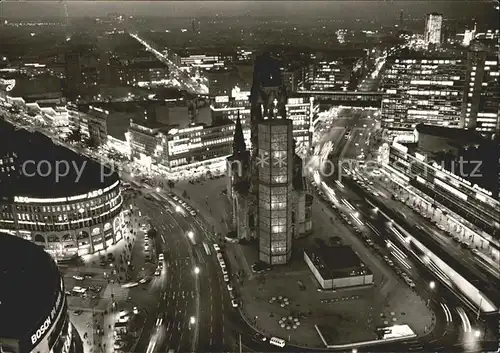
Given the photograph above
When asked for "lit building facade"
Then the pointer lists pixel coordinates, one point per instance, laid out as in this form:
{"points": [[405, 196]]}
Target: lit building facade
{"points": [[456, 201], [422, 90], [275, 190], [55, 114], [92, 122], [238, 105], [72, 215], [300, 110], [67, 227], [202, 61], [328, 75], [94, 125], [197, 144], [481, 99], [171, 148], [433, 28]]}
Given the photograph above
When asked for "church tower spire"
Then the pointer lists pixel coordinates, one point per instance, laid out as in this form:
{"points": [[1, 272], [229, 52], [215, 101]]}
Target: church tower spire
{"points": [[239, 146]]}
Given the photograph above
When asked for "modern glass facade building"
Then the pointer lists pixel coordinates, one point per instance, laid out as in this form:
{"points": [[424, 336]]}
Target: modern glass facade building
{"points": [[422, 90], [328, 75], [300, 110], [481, 99], [173, 148], [275, 190]]}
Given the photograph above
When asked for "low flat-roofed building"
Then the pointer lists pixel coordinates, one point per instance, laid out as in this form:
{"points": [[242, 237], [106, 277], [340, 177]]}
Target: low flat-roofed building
{"points": [[171, 147], [337, 267]]}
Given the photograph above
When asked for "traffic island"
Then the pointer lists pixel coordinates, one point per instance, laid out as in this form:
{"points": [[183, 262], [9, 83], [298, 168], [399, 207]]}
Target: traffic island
{"points": [[345, 316]]}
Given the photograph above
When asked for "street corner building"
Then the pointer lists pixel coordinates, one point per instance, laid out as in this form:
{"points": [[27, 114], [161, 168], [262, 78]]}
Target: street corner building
{"points": [[33, 307], [266, 185], [79, 214]]}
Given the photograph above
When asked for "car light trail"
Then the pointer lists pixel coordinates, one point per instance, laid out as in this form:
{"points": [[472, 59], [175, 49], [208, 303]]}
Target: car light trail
{"points": [[355, 217], [465, 320], [447, 312], [398, 254], [348, 204]]}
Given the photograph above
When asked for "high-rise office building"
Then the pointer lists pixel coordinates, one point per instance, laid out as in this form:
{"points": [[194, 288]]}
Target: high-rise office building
{"points": [[328, 75], [433, 28], [267, 187], [300, 110], [422, 89], [481, 98]]}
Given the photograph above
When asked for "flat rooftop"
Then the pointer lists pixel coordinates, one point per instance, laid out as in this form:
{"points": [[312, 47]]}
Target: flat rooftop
{"points": [[336, 261], [30, 286], [84, 175], [461, 136]]}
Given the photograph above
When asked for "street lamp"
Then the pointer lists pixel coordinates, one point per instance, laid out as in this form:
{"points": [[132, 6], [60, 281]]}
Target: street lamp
{"points": [[477, 333], [190, 234], [157, 189], [432, 285], [178, 209], [196, 270], [192, 320]]}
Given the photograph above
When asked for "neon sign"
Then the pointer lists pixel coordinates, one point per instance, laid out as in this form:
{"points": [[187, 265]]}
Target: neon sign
{"points": [[48, 322]]}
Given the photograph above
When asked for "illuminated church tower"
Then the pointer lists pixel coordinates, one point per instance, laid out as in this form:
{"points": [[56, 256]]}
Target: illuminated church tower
{"points": [[268, 193]]}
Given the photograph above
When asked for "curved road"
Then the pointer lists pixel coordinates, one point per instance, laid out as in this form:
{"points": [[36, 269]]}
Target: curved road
{"points": [[178, 292]]}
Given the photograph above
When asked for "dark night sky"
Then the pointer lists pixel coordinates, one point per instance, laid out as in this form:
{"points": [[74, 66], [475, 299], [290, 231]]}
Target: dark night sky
{"points": [[335, 9]]}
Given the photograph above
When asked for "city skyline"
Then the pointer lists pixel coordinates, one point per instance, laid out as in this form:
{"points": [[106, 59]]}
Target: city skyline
{"points": [[383, 10]]}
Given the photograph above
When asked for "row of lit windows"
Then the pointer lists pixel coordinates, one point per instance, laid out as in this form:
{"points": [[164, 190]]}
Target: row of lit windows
{"points": [[98, 201], [457, 205], [429, 174]]}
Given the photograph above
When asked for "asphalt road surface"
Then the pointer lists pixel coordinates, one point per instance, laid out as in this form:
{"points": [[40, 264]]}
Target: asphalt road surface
{"points": [[179, 292], [168, 325]]}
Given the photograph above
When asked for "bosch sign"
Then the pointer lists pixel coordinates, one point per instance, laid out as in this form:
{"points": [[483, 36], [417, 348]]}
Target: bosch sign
{"points": [[44, 327]]}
